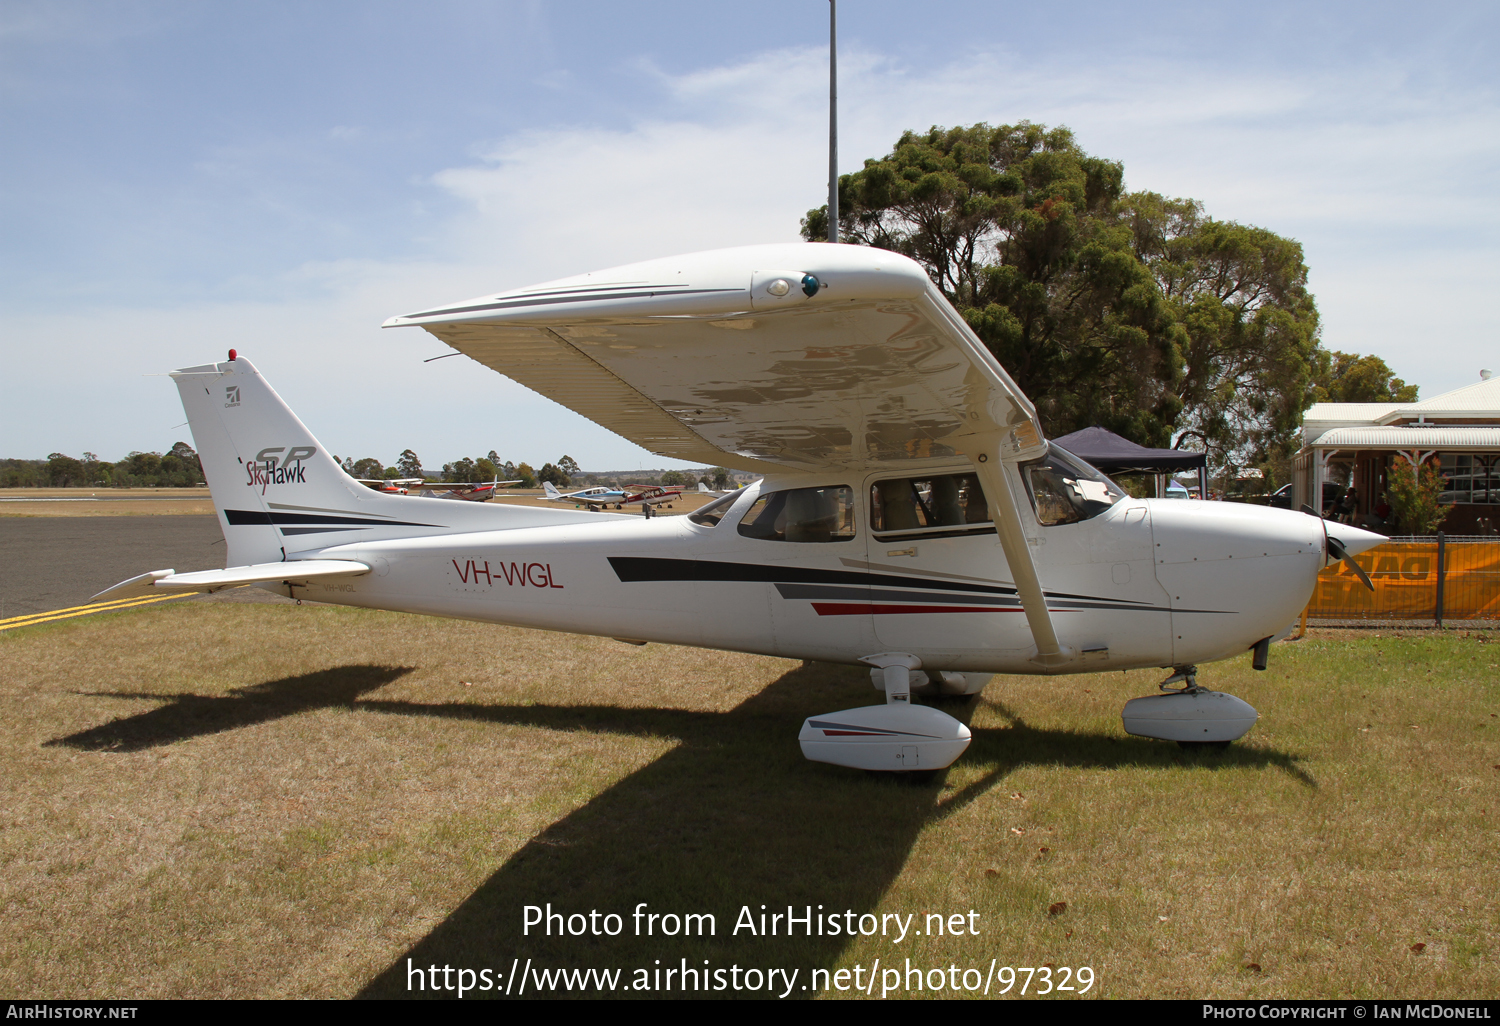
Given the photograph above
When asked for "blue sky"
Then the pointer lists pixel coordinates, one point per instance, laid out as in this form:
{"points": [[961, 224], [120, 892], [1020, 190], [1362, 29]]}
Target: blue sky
{"points": [[180, 178]]}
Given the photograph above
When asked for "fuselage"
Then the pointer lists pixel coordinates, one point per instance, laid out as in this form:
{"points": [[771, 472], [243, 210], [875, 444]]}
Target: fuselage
{"points": [[1144, 583]]}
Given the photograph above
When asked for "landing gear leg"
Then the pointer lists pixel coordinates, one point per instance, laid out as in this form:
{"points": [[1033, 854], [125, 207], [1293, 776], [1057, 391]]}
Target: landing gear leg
{"points": [[1186, 679]]}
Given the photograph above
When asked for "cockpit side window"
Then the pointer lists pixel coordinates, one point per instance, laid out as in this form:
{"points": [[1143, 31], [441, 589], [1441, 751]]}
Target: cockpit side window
{"points": [[711, 514], [802, 515], [924, 503], [1066, 490]]}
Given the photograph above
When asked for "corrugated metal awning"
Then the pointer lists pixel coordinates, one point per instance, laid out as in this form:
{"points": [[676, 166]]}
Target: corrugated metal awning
{"points": [[1448, 439]]}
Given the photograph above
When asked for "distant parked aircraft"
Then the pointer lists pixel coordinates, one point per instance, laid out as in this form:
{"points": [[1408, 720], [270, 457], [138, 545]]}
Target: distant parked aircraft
{"points": [[472, 491]]}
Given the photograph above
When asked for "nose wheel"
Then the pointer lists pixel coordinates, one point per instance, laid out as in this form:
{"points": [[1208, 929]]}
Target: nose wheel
{"points": [[1184, 681], [1193, 716]]}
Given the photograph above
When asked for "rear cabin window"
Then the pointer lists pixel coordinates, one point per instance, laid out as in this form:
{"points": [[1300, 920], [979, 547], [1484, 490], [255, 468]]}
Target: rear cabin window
{"points": [[802, 515], [928, 505]]}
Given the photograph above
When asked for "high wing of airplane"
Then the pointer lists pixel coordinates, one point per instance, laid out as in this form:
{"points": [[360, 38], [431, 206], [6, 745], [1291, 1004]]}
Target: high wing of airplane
{"points": [[911, 517]]}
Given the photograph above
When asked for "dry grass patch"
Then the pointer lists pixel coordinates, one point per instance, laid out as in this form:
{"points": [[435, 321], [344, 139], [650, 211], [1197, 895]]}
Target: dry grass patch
{"points": [[1356, 820], [214, 799], [232, 800]]}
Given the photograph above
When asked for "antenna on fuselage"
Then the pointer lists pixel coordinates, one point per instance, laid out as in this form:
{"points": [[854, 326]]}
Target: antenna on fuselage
{"points": [[833, 120]]}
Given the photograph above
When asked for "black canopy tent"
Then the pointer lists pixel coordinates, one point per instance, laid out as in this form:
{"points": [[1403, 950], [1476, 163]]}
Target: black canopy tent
{"points": [[1112, 454]]}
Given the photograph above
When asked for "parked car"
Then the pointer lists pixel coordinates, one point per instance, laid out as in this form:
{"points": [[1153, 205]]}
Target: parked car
{"points": [[1281, 498]]}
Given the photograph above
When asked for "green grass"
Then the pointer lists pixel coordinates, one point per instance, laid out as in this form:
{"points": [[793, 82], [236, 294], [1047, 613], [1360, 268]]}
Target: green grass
{"points": [[215, 799]]}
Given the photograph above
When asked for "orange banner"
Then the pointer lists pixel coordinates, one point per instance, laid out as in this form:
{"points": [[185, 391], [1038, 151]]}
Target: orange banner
{"points": [[1405, 579], [1471, 586]]}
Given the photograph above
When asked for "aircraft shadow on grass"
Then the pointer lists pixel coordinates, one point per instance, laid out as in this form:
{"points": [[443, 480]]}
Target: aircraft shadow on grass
{"points": [[731, 816], [188, 715]]}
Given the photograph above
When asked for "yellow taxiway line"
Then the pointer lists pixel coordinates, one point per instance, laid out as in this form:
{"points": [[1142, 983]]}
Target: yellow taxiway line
{"points": [[71, 611]]}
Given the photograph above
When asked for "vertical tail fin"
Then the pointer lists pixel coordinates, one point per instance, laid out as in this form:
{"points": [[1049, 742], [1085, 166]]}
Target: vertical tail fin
{"points": [[274, 486], [551, 490]]}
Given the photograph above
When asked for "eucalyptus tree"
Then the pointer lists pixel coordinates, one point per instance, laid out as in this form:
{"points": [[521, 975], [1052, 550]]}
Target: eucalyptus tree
{"points": [[1125, 310]]}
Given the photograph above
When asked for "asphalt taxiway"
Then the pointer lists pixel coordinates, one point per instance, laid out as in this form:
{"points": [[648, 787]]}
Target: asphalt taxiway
{"points": [[56, 562]]}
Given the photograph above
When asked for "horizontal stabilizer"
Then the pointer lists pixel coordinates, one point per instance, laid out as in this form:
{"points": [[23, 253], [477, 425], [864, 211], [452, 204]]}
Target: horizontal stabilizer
{"points": [[159, 581]]}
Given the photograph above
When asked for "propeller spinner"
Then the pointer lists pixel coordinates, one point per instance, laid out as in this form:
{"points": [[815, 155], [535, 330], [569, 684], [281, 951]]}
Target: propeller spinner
{"points": [[1334, 549]]}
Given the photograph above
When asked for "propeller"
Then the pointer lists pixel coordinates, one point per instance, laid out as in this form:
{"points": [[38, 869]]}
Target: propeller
{"points": [[1335, 550]]}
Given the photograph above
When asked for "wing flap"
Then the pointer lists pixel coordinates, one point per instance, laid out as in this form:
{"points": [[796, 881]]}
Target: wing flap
{"points": [[550, 364], [857, 363]]}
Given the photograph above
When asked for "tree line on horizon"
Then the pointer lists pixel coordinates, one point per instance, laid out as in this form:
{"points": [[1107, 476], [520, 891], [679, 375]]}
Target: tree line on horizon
{"points": [[562, 474], [180, 467]]}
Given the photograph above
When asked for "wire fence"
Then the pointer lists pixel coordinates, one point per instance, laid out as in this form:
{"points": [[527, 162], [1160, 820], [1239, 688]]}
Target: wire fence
{"points": [[1440, 578]]}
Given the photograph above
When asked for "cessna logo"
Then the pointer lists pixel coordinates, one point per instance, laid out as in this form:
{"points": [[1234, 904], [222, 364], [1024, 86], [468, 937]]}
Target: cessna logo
{"points": [[231, 396], [269, 467], [537, 575]]}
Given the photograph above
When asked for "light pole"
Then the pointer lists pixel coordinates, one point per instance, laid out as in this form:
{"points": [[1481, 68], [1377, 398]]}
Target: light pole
{"points": [[833, 120]]}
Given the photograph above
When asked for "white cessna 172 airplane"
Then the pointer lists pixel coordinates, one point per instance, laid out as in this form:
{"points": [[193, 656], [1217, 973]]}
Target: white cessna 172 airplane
{"points": [[911, 518]]}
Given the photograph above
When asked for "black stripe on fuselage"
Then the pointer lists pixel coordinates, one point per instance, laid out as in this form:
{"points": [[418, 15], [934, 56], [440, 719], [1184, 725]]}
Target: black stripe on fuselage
{"points": [[308, 521], [637, 569], [640, 569], [878, 594]]}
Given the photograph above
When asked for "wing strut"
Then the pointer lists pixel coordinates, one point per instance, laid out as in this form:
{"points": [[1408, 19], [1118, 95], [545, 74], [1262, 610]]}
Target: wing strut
{"points": [[1049, 651]]}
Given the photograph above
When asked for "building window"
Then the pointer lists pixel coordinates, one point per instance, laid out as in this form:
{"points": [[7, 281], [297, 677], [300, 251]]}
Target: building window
{"points": [[1469, 477]]}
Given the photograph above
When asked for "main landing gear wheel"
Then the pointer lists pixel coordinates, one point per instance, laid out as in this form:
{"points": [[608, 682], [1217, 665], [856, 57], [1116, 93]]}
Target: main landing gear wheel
{"points": [[910, 778], [897, 738]]}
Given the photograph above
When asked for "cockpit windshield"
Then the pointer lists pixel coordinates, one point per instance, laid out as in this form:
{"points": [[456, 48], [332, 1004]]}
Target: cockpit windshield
{"points": [[710, 515], [1066, 490]]}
